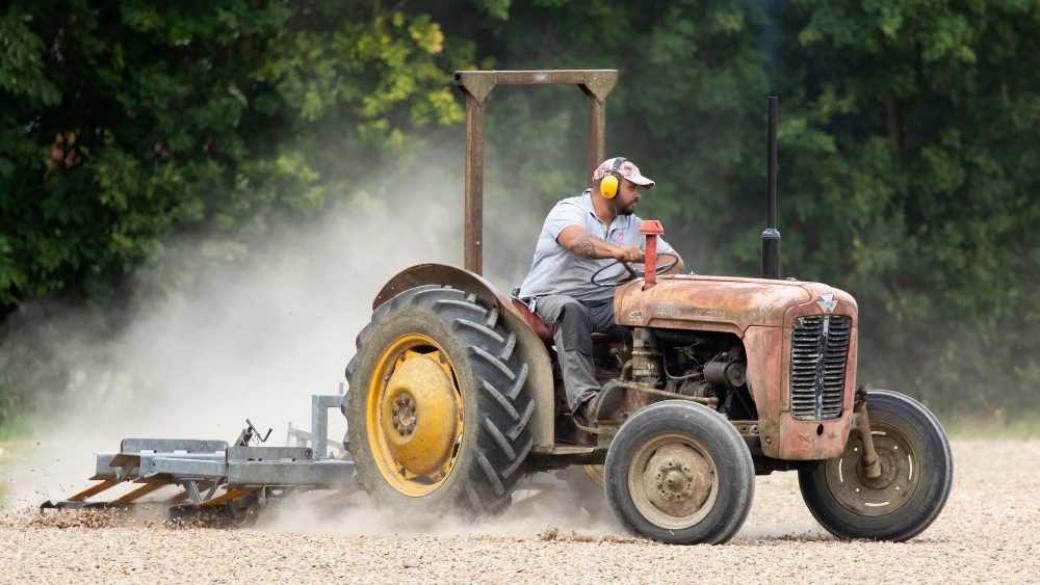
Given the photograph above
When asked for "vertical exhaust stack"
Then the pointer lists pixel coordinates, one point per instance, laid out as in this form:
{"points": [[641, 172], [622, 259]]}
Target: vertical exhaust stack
{"points": [[771, 235]]}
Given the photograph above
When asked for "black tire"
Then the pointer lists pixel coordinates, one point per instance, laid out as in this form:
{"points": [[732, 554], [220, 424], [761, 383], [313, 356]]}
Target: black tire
{"points": [[718, 492], [917, 474], [495, 437]]}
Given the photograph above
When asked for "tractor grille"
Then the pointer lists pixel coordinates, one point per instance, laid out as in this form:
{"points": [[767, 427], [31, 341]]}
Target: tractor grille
{"points": [[819, 350]]}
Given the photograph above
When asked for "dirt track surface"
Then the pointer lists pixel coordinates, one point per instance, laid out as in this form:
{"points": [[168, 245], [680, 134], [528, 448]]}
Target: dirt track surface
{"points": [[989, 532]]}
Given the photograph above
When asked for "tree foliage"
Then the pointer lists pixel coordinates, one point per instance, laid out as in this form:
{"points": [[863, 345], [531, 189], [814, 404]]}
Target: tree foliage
{"points": [[913, 135], [910, 164], [124, 122]]}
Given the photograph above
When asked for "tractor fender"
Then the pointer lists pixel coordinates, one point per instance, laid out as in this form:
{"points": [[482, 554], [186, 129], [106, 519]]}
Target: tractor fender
{"points": [[532, 349]]}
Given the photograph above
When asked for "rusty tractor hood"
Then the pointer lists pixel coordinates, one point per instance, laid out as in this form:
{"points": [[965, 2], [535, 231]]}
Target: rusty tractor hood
{"points": [[725, 303]]}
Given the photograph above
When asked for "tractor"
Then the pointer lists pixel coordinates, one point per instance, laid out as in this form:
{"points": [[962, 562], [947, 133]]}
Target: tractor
{"points": [[455, 393]]}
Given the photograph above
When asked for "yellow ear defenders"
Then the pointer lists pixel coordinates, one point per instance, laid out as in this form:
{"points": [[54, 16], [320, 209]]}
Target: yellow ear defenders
{"points": [[610, 185]]}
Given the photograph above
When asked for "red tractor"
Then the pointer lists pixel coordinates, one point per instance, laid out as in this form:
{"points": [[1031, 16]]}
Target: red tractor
{"points": [[455, 392]]}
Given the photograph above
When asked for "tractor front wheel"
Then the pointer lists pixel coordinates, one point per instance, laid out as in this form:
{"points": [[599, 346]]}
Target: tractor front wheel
{"points": [[916, 475], [679, 473]]}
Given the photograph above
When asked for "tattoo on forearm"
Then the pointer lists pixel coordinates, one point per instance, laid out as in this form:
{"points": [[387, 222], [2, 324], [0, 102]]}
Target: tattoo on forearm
{"points": [[585, 247]]}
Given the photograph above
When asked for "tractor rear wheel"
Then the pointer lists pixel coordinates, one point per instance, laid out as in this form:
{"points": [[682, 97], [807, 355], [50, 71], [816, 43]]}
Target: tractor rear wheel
{"points": [[679, 473], [437, 411], [916, 474]]}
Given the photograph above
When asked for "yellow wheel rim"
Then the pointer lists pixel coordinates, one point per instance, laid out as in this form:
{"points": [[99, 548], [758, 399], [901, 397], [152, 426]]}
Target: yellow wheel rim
{"points": [[413, 414], [594, 473]]}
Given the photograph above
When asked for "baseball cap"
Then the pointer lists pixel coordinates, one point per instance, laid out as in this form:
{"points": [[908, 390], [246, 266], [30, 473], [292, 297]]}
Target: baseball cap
{"points": [[628, 170]]}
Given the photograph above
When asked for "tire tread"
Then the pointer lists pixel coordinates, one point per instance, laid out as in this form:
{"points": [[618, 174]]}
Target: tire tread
{"points": [[505, 410]]}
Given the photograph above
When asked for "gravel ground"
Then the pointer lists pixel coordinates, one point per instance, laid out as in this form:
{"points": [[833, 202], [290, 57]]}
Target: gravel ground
{"points": [[989, 532]]}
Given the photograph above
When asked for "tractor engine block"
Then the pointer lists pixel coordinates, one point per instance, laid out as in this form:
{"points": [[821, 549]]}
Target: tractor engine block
{"points": [[696, 364]]}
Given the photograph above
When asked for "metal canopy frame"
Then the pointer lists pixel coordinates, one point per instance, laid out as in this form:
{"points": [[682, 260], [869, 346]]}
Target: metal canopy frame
{"points": [[596, 84]]}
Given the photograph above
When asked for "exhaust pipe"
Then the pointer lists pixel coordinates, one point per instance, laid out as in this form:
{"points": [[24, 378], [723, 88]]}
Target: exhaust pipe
{"points": [[771, 235]]}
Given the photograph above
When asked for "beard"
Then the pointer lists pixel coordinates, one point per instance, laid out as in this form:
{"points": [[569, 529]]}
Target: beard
{"points": [[627, 209]]}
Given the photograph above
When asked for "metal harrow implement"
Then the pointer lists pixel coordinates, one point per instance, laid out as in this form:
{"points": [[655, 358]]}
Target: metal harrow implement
{"points": [[191, 476]]}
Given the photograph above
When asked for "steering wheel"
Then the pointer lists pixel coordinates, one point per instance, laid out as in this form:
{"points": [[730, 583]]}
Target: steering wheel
{"points": [[633, 273]]}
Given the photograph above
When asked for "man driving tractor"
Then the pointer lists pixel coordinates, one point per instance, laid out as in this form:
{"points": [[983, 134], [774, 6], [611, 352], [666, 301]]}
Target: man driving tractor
{"points": [[583, 235]]}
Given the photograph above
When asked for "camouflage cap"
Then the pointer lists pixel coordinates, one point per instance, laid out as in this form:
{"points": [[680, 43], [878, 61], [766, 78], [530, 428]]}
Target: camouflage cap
{"points": [[628, 170]]}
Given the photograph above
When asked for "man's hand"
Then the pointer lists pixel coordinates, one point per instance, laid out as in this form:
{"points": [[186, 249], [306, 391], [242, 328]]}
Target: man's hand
{"points": [[628, 254]]}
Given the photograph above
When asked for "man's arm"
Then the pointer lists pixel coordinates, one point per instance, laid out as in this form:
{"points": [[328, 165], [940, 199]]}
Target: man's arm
{"points": [[578, 241]]}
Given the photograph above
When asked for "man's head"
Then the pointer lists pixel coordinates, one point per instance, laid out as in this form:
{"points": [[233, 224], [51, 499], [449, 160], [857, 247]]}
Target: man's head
{"points": [[620, 181]]}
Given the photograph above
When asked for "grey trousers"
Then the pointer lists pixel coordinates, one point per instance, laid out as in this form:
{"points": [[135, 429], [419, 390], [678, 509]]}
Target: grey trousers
{"points": [[573, 322]]}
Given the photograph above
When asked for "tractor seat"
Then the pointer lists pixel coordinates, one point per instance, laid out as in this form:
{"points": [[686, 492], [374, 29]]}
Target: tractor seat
{"points": [[543, 331], [534, 321]]}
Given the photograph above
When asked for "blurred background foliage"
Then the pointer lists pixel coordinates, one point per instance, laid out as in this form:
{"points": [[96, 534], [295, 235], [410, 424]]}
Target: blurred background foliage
{"points": [[910, 159]]}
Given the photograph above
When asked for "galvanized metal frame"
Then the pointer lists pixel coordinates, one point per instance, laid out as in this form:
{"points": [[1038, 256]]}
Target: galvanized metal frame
{"points": [[202, 467], [596, 84]]}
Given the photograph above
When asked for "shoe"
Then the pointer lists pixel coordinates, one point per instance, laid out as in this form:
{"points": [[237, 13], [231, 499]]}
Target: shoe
{"points": [[585, 415]]}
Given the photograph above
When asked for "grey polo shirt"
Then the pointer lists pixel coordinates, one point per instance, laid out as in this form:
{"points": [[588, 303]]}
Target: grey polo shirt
{"points": [[556, 270]]}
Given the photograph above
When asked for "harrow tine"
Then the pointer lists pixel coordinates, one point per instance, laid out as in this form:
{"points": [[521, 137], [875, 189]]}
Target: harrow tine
{"points": [[176, 498], [93, 490], [230, 494], [144, 490]]}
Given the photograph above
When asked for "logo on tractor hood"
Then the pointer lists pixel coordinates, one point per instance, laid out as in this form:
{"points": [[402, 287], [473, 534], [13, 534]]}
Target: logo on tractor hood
{"points": [[827, 302]]}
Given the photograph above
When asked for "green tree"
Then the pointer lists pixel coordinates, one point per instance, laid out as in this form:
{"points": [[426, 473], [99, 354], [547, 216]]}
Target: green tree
{"points": [[909, 162], [909, 159], [912, 165], [124, 122]]}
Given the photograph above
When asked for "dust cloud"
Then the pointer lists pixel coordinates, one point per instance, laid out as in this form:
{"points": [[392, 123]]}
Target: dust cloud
{"points": [[543, 503], [244, 342], [255, 338]]}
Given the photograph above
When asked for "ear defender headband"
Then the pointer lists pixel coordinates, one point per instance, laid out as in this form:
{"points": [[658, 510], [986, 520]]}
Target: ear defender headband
{"points": [[611, 182]]}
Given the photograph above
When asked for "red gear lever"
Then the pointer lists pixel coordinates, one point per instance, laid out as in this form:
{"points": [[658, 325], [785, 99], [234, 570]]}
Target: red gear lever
{"points": [[651, 228]]}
